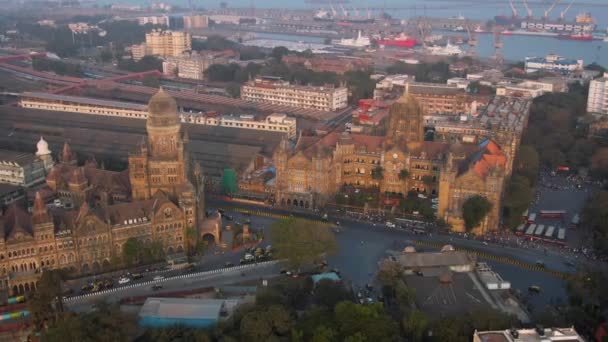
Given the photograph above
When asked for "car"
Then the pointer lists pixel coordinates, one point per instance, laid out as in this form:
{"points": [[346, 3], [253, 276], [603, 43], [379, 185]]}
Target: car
{"points": [[435, 200], [123, 280], [534, 289], [137, 276], [158, 277], [390, 224], [422, 196], [57, 203], [156, 287], [228, 264], [540, 263], [249, 257]]}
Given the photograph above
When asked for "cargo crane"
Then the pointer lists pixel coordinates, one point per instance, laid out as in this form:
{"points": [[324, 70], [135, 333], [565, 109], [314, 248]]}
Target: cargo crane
{"points": [[562, 14], [513, 9], [548, 10], [530, 16]]}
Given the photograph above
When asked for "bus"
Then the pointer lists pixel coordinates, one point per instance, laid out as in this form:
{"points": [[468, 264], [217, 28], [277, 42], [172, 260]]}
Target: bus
{"points": [[539, 230], [531, 229], [520, 229], [561, 234], [553, 214], [531, 218], [576, 220], [549, 232]]}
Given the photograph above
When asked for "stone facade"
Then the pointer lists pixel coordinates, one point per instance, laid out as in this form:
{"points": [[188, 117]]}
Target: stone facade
{"points": [[311, 173], [158, 199]]}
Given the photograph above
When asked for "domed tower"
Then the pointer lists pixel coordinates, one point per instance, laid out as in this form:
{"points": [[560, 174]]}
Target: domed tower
{"points": [[163, 126], [161, 162], [44, 154]]}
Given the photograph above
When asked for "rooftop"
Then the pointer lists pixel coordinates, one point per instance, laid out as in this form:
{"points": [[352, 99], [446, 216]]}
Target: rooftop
{"points": [[18, 158], [184, 308], [529, 335], [85, 100], [274, 83]]}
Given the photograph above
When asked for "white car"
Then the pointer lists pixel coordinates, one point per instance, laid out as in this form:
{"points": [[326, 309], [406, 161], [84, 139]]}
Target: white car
{"points": [[390, 224], [158, 277], [124, 280], [249, 257]]}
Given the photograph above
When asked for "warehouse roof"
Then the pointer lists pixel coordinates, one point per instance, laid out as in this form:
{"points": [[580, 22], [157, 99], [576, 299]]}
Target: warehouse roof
{"points": [[184, 308]]}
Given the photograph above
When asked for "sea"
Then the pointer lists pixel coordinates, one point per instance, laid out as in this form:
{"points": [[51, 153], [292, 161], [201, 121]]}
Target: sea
{"points": [[515, 48]]}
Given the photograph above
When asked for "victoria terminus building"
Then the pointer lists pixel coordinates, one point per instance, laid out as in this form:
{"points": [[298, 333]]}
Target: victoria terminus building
{"points": [[466, 159], [158, 199]]}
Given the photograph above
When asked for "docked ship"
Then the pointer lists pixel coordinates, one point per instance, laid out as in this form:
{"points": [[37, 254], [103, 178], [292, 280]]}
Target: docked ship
{"points": [[448, 50], [402, 41], [359, 42], [576, 36]]}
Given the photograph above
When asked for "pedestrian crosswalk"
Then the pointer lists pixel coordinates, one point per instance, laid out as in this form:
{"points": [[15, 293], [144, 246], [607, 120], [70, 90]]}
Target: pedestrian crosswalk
{"points": [[498, 258]]}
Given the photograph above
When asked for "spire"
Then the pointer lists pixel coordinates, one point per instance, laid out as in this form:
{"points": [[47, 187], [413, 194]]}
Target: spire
{"points": [[66, 155], [40, 213]]}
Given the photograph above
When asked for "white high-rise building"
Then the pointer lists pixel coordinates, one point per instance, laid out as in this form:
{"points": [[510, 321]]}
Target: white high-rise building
{"points": [[597, 102]]}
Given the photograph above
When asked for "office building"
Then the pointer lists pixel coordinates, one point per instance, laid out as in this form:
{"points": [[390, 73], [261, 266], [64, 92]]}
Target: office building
{"points": [[25, 169]]}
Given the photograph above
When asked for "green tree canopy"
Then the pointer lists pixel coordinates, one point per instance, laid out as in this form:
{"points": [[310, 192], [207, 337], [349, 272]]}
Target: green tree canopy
{"points": [[46, 304], [369, 322], [474, 210], [328, 293], [302, 241], [104, 323], [262, 324], [595, 216]]}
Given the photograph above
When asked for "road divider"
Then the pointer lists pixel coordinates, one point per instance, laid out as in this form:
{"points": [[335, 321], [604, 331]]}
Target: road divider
{"points": [[498, 258], [181, 276], [268, 214]]}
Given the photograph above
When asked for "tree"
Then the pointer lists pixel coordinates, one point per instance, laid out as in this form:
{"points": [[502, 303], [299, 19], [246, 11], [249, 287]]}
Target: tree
{"points": [[261, 324], [47, 302], [404, 174], [369, 322], [595, 216], [278, 53], [302, 241], [518, 196], [324, 334], [329, 293], [105, 323], [131, 251], [176, 334], [415, 323], [378, 173], [527, 163], [474, 210]]}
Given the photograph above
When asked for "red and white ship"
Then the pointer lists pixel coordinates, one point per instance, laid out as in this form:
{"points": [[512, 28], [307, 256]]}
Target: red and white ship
{"points": [[576, 36], [400, 41]]}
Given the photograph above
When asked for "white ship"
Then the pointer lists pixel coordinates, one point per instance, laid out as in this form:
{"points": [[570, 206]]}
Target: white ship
{"points": [[359, 42], [448, 50]]}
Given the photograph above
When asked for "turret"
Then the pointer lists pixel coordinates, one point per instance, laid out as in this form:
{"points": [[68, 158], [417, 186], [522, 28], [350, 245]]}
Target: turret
{"points": [[40, 213], [44, 154], [67, 156]]}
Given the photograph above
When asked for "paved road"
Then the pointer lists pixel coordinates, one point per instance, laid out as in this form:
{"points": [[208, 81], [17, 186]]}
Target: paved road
{"points": [[229, 276], [358, 262]]}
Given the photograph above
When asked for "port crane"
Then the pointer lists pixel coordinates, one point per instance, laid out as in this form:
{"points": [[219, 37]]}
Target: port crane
{"points": [[513, 9], [548, 10], [562, 14], [498, 44], [528, 9], [472, 40]]}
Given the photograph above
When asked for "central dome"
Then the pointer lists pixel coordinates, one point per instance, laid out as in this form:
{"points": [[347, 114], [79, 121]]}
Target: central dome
{"points": [[162, 110]]}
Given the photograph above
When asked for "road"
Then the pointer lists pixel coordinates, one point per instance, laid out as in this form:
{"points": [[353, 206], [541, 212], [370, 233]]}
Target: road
{"points": [[226, 277], [363, 245]]}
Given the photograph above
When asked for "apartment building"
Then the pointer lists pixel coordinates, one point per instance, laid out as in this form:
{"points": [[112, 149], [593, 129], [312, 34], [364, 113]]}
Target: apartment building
{"points": [[276, 91], [192, 65], [154, 20], [597, 100], [195, 21], [168, 43]]}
